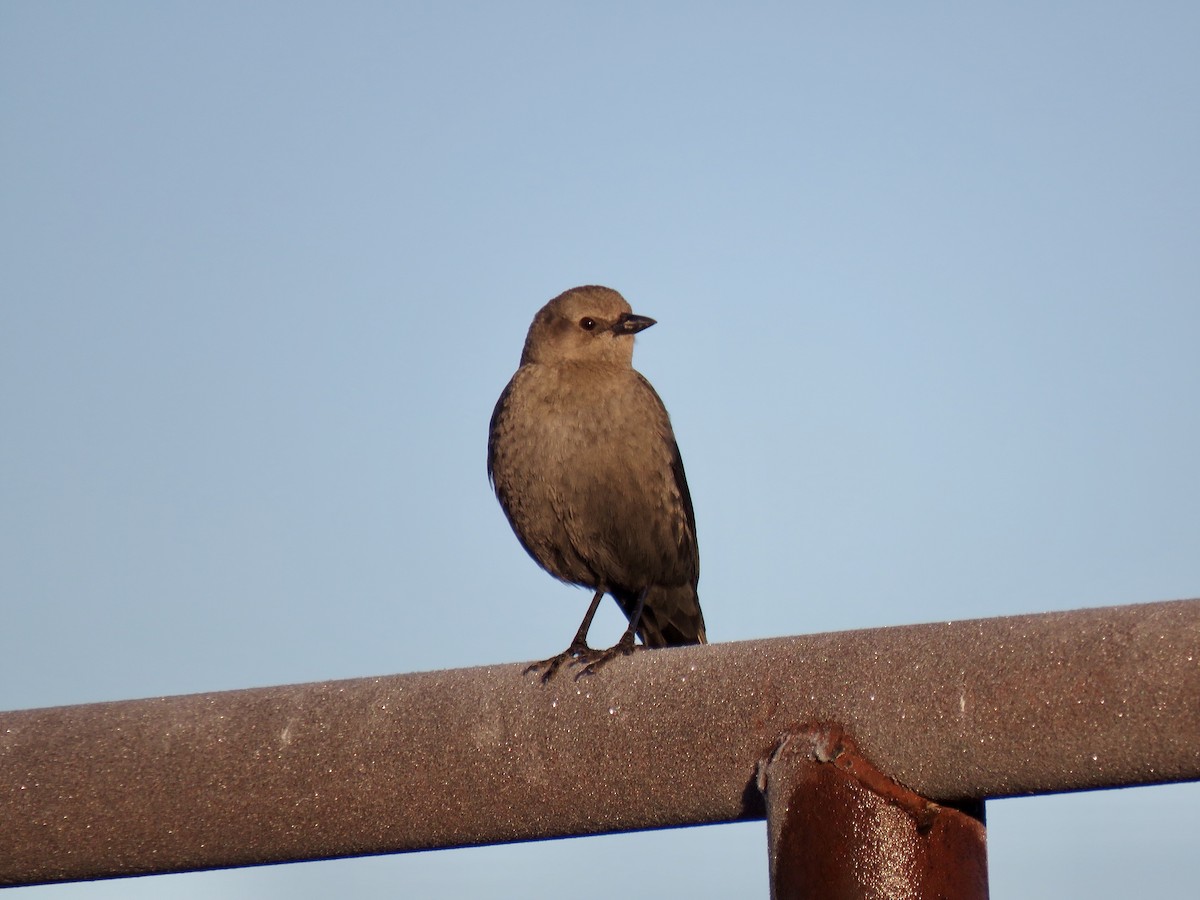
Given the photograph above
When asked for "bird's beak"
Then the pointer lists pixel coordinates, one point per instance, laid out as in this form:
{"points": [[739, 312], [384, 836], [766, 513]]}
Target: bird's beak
{"points": [[631, 323]]}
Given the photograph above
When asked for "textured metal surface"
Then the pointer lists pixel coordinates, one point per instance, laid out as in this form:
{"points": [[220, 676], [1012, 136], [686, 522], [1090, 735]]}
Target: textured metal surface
{"points": [[837, 827], [998, 707]]}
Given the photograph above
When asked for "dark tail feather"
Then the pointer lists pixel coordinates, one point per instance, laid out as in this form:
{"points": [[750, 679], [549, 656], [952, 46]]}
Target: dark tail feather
{"points": [[670, 618]]}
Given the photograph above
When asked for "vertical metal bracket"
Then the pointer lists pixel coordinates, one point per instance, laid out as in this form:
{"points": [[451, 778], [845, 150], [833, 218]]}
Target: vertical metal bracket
{"points": [[839, 829]]}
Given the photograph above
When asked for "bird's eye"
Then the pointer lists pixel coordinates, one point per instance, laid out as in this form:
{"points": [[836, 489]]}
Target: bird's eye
{"points": [[587, 323]]}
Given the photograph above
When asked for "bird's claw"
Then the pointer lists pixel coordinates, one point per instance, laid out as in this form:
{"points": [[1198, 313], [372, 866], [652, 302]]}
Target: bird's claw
{"points": [[575, 655], [587, 658], [601, 657]]}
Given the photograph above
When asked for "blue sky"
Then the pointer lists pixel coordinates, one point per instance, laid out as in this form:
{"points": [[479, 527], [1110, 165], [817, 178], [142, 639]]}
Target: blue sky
{"points": [[928, 298]]}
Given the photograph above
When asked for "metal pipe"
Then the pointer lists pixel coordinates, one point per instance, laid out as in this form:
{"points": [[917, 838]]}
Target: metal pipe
{"points": [[988, 708]]}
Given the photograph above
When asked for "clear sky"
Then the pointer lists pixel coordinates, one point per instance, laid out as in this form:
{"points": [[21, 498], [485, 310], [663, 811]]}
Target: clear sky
{"points": [[927, 279]]}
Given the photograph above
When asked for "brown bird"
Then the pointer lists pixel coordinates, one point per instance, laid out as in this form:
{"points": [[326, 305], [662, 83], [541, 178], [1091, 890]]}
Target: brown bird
{"points": [[584, 462]]}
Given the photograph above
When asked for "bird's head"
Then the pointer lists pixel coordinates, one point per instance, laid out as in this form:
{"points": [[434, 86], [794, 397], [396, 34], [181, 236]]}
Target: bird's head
{"points": [[585, 324]]}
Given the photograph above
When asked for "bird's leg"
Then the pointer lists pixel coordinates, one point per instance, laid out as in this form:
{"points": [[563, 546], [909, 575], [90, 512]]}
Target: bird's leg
{"points": [[579, 642], [623, 647], [578, 650]]}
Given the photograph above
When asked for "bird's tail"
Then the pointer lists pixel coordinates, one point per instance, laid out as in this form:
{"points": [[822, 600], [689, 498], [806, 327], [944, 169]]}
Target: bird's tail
{"points": [[671, 616]]}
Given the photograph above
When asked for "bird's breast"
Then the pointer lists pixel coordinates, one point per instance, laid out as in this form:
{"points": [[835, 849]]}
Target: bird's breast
{"points": [[584, 468]]}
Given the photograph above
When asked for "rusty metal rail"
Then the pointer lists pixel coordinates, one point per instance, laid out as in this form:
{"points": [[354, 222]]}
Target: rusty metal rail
{"points": [[989, 708]]}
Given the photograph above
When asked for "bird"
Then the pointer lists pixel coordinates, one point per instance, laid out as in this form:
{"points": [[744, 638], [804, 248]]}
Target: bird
{"points": [[583, 459]]}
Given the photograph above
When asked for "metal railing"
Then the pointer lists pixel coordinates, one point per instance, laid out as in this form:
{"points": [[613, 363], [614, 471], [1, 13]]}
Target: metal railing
{"points": [[957, 712]]}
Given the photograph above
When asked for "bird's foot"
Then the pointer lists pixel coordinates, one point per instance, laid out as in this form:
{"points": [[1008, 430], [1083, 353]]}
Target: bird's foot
{"points": [[598, 658], [578, 653]]}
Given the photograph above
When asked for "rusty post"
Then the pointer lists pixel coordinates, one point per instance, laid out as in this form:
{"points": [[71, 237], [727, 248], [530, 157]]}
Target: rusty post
{"points": [[839, 829]]}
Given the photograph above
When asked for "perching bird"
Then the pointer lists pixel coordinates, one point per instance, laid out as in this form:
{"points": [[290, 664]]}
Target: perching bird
{"points": [[584, 462]]}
